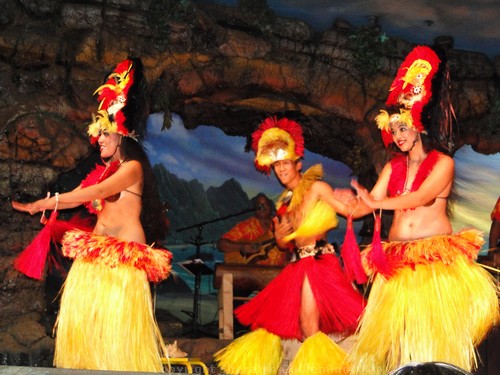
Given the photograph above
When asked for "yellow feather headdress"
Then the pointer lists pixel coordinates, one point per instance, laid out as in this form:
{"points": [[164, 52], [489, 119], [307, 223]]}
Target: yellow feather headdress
{"points": [[277, 140]]}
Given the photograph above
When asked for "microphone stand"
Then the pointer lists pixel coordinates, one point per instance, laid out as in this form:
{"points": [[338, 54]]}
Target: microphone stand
{"points": [[198, 268]]}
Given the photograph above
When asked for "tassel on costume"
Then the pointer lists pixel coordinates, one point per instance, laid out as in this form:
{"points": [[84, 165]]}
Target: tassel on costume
{"points": [[377, 256], [318, 354], [350, 255], [256, 353], [33, 258]]}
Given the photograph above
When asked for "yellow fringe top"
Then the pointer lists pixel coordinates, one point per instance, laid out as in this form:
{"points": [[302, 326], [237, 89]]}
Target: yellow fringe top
{"points": [[320, 218]]}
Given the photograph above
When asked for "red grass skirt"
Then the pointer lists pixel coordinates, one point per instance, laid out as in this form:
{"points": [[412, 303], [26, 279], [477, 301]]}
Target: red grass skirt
{"points": [[276, 308]]}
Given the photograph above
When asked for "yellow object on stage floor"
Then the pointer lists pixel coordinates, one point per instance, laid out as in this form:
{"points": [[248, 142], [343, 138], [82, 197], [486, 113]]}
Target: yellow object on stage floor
{"points": [[186, 362]]}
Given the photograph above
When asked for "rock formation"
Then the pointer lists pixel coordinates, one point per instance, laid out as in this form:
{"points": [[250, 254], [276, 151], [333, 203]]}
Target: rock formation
{"points": [[211, 64]]}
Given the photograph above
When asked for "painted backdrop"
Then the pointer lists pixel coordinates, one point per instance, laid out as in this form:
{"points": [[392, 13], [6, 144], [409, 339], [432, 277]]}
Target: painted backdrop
{"points": [[211, 157], [208, 157]]}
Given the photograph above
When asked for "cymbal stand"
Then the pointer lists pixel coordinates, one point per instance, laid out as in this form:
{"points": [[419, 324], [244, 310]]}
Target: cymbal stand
{"points": [[198, 268]]}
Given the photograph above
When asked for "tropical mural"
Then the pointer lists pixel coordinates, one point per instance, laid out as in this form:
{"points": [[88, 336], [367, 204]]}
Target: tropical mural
{"points": [[205, 175], [212, 158]]}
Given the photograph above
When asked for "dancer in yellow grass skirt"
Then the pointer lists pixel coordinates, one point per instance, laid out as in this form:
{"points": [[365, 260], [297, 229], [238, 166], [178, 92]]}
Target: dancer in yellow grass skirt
{"points": [[437, 305], [106, 320], [429, 300]]}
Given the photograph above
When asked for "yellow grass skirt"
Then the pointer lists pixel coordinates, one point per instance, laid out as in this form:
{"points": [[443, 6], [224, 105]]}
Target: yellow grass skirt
{"points": [[255, 353], [106, 319], [260, 352], [438, 305]]}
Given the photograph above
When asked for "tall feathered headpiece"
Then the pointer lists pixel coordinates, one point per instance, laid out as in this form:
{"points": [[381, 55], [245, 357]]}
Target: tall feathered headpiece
{"points": [[411, 91], [122, 102], [276, 140]]}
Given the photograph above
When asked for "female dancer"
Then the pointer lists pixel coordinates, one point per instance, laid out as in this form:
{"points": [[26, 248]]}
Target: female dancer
{"points": [[429, 300], [106, 319]]}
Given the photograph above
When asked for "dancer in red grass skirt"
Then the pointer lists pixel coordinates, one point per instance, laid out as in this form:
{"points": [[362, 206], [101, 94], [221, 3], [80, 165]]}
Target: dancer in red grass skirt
{"points": [[312, 297]]}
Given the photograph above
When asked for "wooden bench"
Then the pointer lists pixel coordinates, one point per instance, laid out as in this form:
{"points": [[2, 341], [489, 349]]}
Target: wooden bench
{"points": [[244, 277]]}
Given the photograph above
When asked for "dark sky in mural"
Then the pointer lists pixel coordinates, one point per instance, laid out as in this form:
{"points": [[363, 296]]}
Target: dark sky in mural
{"points": [[211, 157], [472, 23]]}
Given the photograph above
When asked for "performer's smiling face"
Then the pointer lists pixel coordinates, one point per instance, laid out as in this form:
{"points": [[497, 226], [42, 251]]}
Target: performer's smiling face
{"points": [[288, 172], [109, 144], [404, 136]]}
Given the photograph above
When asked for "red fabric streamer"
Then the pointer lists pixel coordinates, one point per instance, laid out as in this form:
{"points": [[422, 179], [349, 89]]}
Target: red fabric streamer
{"points": [[33, 258], [351, 256], [378, 257]]}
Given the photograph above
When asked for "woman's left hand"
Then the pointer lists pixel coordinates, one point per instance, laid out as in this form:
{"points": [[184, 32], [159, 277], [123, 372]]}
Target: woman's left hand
{"points": [[364, 194]]}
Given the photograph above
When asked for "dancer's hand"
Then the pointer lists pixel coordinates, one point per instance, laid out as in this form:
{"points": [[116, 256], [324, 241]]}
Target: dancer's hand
{"points": [[282, 228], [31, 207], [345, 196], [364, 194]]}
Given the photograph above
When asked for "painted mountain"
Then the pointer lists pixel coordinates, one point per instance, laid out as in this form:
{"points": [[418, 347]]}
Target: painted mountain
{"points": [[198, 214]]}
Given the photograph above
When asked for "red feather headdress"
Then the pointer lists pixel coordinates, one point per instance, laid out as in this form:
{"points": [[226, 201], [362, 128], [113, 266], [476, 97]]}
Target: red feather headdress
{"points": [[411, 90], [276, 140], [120, 102]]}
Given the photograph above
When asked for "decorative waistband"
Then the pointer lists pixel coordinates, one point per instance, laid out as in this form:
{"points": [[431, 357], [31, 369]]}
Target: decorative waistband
{"points": [[112, 252], [443, 248], [314, 249]]}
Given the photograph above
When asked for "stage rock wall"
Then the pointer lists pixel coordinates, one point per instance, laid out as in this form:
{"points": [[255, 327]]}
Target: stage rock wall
{"points": [[212, 65]]}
